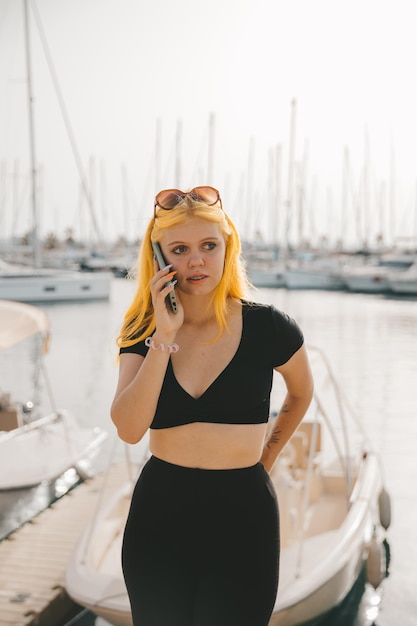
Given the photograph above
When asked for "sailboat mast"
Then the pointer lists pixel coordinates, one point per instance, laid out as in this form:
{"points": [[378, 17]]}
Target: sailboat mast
{"points": [[345, 180], [178, 142], [291, 165], [210, 159], [32, 152], [158, 154], [392, 193]]}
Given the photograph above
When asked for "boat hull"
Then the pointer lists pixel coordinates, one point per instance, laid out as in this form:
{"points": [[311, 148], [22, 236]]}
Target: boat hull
{"points": [[335, 566], [371, 284], [267, 277], [46, 448], [299, 279], [55, 287], [402, 286]]}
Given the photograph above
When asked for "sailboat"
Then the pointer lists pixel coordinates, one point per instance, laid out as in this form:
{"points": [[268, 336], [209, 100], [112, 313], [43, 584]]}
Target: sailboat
{"points": [[35, 283], [38, 448]]}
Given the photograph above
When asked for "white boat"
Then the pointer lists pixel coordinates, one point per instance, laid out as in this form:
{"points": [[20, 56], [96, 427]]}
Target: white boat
{"points": [[313, 279], [25, 284], [404, 282], [269, 275], [314, 271], [42, 448], [316, 274], [367, 279], [333, 516], [374, 277]]}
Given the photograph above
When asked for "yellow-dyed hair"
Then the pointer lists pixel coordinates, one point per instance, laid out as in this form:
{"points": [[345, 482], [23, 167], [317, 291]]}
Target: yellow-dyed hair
{"points": [[139, 320]]}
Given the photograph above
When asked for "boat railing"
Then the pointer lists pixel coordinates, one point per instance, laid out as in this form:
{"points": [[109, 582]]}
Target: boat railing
{"points": [[345, 413], [312, 451], [311, 435], [34, 425]]}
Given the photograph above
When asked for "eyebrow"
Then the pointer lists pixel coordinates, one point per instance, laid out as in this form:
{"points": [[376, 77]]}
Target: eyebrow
{"points": [[176, 243]]}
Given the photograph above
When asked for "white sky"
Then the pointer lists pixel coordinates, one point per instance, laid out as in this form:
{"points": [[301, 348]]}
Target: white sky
{"points": [[124, 64]]}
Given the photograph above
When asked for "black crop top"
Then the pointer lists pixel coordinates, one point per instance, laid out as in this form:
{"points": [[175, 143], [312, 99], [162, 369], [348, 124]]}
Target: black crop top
{"points": [[241, 392]]}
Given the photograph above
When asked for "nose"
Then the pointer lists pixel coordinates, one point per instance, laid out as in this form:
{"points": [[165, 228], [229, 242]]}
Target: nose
{"points": [[196, 260]]}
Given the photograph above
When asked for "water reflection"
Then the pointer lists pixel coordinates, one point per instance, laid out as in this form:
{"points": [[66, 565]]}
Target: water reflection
{"points": [[18, 506]]}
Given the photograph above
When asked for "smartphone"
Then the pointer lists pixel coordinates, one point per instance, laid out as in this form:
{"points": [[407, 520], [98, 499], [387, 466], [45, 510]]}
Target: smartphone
{"points": [[171, 298]]}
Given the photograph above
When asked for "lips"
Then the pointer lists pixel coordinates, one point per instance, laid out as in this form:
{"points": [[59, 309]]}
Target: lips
{"points": [[197, 278]]}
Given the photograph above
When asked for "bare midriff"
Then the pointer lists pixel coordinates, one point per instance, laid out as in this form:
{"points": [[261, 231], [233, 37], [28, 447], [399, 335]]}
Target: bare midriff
{"points": [[209, 446]]}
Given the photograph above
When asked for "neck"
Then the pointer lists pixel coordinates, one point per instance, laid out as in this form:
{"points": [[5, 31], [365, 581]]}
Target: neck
{"points": [[197, 310]]}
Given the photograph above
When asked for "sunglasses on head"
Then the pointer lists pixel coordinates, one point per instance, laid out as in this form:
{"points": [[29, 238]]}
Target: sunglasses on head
{"points": [[170, 198]]}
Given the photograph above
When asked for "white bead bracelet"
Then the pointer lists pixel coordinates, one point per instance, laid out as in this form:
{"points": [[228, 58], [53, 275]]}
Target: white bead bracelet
{"points": [[149, 342]]}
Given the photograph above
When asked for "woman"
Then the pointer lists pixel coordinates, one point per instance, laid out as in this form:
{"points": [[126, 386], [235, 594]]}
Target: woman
{"points": [[201, 544]]}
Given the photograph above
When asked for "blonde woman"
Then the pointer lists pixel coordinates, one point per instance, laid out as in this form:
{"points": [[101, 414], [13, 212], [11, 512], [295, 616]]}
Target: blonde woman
{"points": [[201, 544]]}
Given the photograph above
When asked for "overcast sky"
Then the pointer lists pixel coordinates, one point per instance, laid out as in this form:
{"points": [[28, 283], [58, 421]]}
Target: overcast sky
{"points": [[122, 65]]}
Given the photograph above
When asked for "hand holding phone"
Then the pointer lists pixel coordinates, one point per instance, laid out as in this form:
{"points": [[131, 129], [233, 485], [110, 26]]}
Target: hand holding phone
{"points": [[171, 298]]}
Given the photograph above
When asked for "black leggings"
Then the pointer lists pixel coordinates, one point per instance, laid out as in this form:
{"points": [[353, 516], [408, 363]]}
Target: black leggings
{"points": [[201, 547]]}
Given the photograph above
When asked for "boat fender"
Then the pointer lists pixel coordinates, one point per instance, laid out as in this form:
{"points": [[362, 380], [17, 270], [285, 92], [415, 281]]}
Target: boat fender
{"points": [[375, 573], [387, 556], [384, 504], [84, 469]]}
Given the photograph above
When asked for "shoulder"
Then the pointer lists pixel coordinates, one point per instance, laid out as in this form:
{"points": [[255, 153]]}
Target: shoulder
{"points": [[135, 347], [254, 308], [275, 329], [266, 311]]}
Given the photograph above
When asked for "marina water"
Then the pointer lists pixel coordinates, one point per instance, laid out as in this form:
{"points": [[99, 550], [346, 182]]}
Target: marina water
{"points": [[371, 342]]}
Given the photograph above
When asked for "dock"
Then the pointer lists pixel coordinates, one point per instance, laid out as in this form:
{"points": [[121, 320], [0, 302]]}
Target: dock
{"points": [[34, 558]]}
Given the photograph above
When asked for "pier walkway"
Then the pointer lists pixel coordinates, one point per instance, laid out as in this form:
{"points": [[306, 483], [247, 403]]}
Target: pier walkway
{"points": [[33, 559]]}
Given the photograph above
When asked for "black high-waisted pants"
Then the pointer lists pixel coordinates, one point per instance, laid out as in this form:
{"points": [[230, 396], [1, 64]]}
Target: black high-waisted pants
{"points": [[201, 547]]}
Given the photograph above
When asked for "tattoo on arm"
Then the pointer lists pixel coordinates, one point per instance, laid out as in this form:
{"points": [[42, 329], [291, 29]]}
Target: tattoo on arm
{"points": [[274, 438]]}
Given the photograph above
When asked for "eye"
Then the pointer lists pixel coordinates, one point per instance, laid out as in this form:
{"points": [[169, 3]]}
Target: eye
{"points": [[210, 245], [178, 250]]}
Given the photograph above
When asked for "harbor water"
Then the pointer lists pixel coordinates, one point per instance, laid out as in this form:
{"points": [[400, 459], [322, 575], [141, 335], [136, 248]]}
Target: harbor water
{"points": [[371, 342]]}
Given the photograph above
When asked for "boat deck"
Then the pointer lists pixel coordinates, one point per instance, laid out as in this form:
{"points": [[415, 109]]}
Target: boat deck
{"points": [[33, 559]]}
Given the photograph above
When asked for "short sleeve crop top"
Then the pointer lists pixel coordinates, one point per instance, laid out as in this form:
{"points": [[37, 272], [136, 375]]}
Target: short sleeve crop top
{"points": [[241, 392]]}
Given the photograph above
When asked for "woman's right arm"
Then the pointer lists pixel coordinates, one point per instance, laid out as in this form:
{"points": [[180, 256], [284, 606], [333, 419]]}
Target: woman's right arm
{"points": [[141, 378], [137, 393]]}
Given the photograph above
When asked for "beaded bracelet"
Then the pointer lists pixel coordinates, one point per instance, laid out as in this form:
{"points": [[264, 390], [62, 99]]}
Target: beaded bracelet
{"points": [[149, 342]]}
